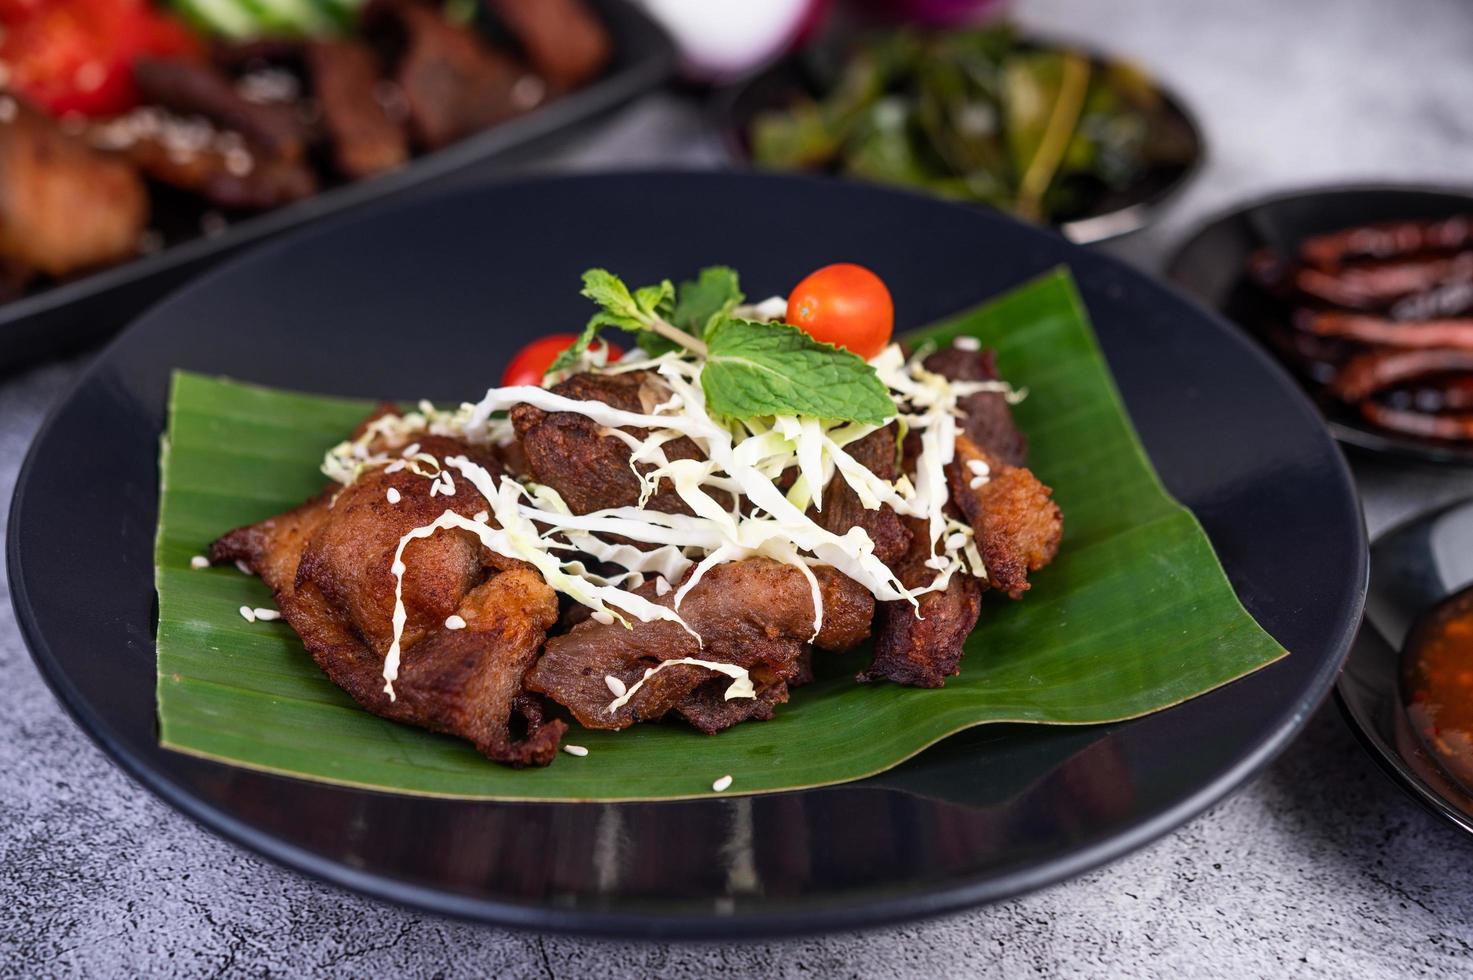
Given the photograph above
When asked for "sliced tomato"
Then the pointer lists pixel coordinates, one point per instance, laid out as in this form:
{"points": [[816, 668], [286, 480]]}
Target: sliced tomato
{"points": [[76, 56], [531, 362], [845, 305]]}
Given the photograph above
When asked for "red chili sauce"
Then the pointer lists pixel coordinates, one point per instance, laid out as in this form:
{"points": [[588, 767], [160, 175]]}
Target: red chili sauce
{"points": [[1438, 684]]}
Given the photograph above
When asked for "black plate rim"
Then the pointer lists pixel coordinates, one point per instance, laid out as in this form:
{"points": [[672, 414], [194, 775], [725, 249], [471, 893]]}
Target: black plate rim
{"points": [[617, 87], [1362, 439], [1091, 229], [814, 918], [1387, 756]]}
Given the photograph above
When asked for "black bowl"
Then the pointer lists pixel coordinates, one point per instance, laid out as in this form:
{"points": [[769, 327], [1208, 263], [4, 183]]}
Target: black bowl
{"points": [[344, 309], [74, 314], [1211, 264], [1116, 213], [1414, 567]]}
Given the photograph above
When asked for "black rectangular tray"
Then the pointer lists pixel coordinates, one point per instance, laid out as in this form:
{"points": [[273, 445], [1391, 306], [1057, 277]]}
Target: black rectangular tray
{"points": [[80, 312]]}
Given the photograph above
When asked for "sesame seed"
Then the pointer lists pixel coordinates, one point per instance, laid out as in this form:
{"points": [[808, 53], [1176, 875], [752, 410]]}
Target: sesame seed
{"points": [[722, 785], [243, 568], [606, 618], [482, 517], [967, 343], [393, 495], [616, 686], [454, 623], [198, 562], [977, 482], [410, 450], [955, 541], [978, 467], [266, 615], [248, 614], [434, 489], [395, 466], [662, 585], [577, 750]]}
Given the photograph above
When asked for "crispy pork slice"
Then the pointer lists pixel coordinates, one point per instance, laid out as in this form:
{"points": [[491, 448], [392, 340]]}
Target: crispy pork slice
{"points": [[921, 646], [1016, 524], [843, 510], [64, 207], [562, 39], [475, 623], [987, 418], [572, 453], [453, 82], [364, 140], [756, 614]]}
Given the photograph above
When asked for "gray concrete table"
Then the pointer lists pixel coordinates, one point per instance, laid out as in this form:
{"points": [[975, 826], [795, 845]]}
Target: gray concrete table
{"points": [[1320, 868]]}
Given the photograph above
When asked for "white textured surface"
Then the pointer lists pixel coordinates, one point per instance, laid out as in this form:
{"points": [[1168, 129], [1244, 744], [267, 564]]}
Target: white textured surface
{"points": [[1320, 868]]}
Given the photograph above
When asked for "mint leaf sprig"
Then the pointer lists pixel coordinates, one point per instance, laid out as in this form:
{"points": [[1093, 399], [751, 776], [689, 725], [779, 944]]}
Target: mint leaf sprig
{"points": [[752, 369]]}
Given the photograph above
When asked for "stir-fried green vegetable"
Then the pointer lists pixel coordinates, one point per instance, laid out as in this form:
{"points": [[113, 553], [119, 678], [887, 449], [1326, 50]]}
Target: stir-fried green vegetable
{"points": [[980, 116]]}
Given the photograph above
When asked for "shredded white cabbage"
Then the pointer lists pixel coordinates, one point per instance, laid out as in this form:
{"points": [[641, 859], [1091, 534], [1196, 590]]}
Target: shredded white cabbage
{"points": [[742, 461]]}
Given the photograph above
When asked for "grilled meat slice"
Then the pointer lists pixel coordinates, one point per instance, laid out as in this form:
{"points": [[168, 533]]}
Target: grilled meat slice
{"points": [[562, 39], [1376, 370], [756, 614], [238, 180], [1386, 241], [843, 510], [192, 89], [1451, 332], [328, 563], [987, 417], [365, 141], [922, 646], [1015, 522], [453, 83], [590, 470], [64, 207]]}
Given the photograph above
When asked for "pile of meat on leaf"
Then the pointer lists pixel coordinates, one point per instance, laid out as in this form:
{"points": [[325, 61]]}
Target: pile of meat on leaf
{"points": [[1379, 318], [230, 129], [490, 655]]}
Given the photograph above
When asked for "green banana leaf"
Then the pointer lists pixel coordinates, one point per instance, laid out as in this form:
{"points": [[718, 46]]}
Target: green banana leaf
{"points": [[1134, 616]]}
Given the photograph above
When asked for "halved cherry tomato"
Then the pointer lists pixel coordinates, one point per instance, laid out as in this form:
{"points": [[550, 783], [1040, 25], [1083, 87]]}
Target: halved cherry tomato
{"points": [[846, 305], [532, 361], [76, 56]]}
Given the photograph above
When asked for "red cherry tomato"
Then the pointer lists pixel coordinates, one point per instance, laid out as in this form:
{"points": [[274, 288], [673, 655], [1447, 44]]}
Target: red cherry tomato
{"points": [[846, 305], [532, 361], [76, 56]]}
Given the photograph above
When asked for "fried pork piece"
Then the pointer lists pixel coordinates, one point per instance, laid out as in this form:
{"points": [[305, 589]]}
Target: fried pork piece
{"points": [[987, 417], [922, 646], [756, 614], [1016, 524], [365, 141], [842, 508], [454, 84], [328, 563], [562, 39], [64, 207], [190, 89], [569, 452]]}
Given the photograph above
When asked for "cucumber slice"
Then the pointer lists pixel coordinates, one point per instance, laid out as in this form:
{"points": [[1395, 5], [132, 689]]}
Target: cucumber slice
{"points": [[225, 17], [292, 16]]}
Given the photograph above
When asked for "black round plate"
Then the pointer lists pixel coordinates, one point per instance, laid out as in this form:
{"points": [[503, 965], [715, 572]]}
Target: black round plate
{"points": [[1414, 567], [1113, 214], [1212, 265], [430, 299]]}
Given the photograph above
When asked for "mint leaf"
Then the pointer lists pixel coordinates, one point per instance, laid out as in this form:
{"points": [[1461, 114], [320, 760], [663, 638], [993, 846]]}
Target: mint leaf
{"points": [[701, 305], [758, 369], [631, 312]]}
